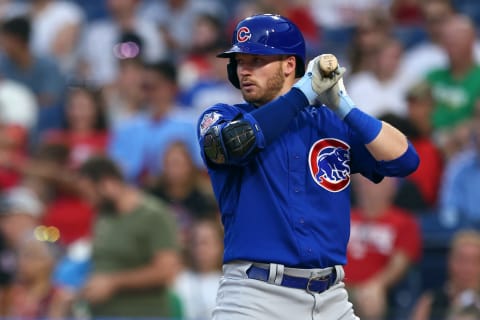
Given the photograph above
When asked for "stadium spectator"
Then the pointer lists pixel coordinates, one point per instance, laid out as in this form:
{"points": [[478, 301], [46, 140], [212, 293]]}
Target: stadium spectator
{"points": [[460, 189], [25, 111], [180, 185], [456, 87], [13, 148], [20, 212], [134, 253], [385, 242], [56, 30], [429, 53], [197, 284], [195, 65], [373, 29], [176, 20], [428, 174], [139, 143], [125, 99], [39, 73], [339, 14], [462, 286], [103, 45], [381, 89], [33, 296], [86, 129], [47, 172]]}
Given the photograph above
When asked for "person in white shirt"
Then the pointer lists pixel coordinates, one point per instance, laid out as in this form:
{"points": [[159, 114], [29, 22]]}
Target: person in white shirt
{"points": [[197, 285], [56, 31], [382, 89]]}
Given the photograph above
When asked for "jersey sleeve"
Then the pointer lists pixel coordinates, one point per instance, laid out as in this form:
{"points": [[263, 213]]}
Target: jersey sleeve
{"points": [[221, 115], [363, 162]]}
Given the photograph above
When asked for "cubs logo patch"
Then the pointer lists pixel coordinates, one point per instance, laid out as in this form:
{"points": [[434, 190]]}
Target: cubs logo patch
{"points": [[207, 121], [243, 34], [329, 164]]}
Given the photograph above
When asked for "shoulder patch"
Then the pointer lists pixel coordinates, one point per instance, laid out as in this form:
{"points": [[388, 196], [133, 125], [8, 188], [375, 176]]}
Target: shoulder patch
{"points": [[208, 120]]}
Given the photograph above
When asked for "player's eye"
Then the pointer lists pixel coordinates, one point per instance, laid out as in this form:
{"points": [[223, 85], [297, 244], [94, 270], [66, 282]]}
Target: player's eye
{"points": [[258, 61]]}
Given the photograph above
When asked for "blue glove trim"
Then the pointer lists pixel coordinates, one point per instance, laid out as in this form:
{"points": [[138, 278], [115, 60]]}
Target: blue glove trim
{"points": [[366, 126]]}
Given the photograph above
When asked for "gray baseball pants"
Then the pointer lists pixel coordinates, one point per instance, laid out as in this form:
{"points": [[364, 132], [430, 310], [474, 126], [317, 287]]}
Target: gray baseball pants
{"points": [[241, 298]]}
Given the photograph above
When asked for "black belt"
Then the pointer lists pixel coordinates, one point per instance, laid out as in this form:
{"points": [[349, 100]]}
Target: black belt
{"points": [[311, 284]]}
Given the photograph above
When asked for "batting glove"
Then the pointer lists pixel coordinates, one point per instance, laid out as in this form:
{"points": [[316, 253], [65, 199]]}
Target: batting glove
{"points": [[335, 96]]}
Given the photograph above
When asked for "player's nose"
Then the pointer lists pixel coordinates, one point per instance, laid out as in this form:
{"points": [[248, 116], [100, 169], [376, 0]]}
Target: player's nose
{"points": [[244, 70]]}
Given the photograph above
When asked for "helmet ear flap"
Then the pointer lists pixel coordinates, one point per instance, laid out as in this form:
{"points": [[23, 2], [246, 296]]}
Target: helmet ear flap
{"points": [[232, 73], [300, 67]]}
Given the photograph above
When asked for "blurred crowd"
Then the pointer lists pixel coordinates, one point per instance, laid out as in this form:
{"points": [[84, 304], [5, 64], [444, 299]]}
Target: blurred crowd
{"points": [[106, 209]]}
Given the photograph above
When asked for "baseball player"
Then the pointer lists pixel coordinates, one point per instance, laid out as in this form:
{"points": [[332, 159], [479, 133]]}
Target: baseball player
{"points": [[280, 165]]}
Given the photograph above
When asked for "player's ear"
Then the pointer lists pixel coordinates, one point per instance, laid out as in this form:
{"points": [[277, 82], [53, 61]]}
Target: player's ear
{"points": [[289, 65]]}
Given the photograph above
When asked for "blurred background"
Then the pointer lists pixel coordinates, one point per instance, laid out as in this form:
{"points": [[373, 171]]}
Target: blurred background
{"points": [[99, 101]]}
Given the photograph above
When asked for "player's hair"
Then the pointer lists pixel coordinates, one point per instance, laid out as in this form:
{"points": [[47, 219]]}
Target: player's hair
{"points": [[19, 27], [465, 237], [100, 167]]}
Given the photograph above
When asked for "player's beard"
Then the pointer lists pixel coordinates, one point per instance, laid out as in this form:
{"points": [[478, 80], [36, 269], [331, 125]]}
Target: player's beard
{"points": [[266, 94]]}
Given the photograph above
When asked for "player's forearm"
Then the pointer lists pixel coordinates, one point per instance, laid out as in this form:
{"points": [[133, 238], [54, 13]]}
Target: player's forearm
{"points": [[275, 117], [395, 156], [389, 144], [156, 274]]}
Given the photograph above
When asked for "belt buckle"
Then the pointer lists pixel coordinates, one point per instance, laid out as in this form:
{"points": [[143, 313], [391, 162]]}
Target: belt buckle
{"points": [[318, 278]]}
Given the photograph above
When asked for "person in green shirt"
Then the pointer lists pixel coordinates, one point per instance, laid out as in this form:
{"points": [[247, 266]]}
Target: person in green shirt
{"points": [[455, 88], [135, 251]]}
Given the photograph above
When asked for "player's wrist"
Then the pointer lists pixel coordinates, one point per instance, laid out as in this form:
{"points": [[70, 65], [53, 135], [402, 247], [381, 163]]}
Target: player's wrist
{"points": [[345, 104], [304, 84]]}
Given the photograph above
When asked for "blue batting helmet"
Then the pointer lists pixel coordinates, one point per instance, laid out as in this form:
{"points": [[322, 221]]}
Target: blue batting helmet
{"points": [[266, 34]]}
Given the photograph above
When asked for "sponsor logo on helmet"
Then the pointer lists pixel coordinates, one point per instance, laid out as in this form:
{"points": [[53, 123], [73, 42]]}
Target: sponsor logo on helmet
{"points": [[329, 164], [243, 34]]}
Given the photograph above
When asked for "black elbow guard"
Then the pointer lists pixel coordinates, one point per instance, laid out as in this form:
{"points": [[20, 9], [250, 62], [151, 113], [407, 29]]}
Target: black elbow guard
{"points": [[232, 143], [212, 145], [238, 138]]}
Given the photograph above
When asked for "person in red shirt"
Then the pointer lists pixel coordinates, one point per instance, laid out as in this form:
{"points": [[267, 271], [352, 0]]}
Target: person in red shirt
{"points": [[384, 242], [13, 148], [427, 177], [86, 131]]}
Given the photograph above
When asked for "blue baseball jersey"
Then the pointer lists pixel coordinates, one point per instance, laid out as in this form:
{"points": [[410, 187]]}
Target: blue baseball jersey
{"points": [[289, 203]]}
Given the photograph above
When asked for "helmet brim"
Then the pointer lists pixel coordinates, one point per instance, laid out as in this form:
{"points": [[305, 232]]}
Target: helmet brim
{"points": [[252, 48]]}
